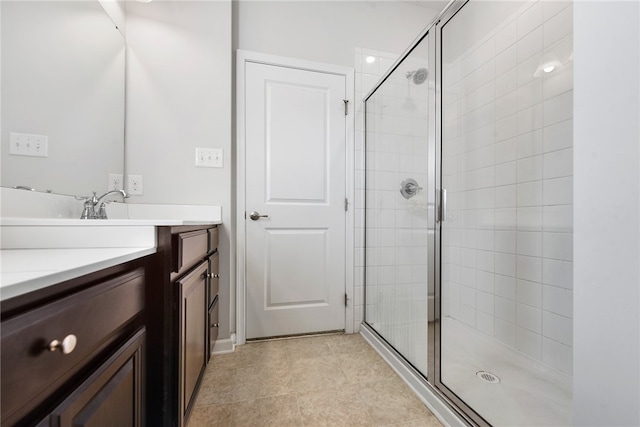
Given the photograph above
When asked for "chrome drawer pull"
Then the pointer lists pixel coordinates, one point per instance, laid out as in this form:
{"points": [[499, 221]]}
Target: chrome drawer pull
{"points": [[66, 346]]}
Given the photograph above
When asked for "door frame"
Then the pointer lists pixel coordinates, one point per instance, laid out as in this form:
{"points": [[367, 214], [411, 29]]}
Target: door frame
{"points": [[242, 58]]}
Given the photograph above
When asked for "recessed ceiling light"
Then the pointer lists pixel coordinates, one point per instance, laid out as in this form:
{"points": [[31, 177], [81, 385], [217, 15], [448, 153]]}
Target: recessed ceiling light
{"points": [[548, 64], [370, 59]]}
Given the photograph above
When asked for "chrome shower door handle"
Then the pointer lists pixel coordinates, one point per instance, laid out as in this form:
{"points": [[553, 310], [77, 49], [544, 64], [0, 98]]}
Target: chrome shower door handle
{"points": [[256, 216], [443, 205]]}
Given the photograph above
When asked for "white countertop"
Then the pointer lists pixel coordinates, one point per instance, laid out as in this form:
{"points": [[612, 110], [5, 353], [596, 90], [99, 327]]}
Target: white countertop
{"points": [[43, 242], [43, 222], [27, 270]]}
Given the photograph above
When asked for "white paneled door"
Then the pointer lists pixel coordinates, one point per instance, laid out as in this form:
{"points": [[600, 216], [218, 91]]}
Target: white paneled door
{"points": [[295, 179]]}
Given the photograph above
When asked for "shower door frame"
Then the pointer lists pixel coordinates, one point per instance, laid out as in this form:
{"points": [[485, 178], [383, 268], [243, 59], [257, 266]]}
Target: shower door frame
{"points": [[449, 13], [425, 34], [430, 385]]}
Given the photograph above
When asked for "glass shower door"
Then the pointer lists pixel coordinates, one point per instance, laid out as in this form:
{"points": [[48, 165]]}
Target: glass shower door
{"points": [[506, 242], [396, 213]]}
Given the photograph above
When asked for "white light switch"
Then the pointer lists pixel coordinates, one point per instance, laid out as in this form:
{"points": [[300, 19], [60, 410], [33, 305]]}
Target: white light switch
{"points": [[24, 144], [209, 157]]}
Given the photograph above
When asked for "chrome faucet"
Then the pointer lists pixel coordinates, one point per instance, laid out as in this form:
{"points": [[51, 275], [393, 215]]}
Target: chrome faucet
{"points": [[94, 207]]}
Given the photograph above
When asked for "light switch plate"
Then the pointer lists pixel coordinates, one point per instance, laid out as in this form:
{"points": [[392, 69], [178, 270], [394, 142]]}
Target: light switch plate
{"points": [[25, 144], [209, 157]]}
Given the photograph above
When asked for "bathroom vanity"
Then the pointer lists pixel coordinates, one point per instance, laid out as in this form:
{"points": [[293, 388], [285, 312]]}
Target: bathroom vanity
{"points": [[183, 319], [107, 321], [73, 353]]}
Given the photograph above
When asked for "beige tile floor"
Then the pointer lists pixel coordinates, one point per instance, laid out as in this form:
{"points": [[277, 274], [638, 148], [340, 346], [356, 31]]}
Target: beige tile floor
{"points": [[328, 380]]}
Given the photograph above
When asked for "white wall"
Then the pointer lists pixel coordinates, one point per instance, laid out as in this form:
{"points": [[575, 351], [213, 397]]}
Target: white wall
{"points": [[179, 98], [116, 11], [606, 387], [327, 31]]}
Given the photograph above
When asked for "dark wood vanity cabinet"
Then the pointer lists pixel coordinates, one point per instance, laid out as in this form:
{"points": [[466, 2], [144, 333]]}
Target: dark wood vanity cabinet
{"points": [[112, 396], [73, 353], [192, 333], [182, 294]]}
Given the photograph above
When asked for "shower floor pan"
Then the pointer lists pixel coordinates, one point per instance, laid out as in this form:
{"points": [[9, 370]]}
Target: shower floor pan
{"points": [[529, 393]]}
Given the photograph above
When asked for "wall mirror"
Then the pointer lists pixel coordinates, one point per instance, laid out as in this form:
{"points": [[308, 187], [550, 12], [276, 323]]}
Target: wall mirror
{"points": [[63, 78]]}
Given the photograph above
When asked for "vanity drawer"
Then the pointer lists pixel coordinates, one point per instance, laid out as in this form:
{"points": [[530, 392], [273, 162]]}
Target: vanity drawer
{"points": [[213, 239], [214, 280], [31, 372], [189, 248]]}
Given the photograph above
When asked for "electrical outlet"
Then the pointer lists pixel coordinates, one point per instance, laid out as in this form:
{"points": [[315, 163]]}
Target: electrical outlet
{"points": [[24, 144], [135, 185], [209, 157], [115, 182]]}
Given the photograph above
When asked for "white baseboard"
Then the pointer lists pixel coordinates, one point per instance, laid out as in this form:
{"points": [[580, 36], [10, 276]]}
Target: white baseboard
{"points": [[225, 346]]}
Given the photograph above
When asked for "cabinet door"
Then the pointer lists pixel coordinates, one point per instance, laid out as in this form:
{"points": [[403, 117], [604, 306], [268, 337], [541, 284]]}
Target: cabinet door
{"points": [[214, 274], [193, 332], [213, 327], [112, 396]]}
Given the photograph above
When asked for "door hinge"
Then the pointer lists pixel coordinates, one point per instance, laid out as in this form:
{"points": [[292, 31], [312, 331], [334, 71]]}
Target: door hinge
{"points": [[346, 107], [346, 298], [346, 204]]}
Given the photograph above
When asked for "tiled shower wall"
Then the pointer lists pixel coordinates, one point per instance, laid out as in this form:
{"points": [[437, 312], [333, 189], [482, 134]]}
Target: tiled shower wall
{"points": [[507, 165], [366, 76], [396, 254]]}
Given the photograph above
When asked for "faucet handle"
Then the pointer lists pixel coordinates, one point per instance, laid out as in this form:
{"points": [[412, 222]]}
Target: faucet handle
{"points": [[102, 211], [88, 212]]}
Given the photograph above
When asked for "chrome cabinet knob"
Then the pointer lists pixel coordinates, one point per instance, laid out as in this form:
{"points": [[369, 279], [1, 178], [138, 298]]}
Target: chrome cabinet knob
{"points": [[211, 275], [215, 325], [66, 346], [256, 216], [216, 276]]}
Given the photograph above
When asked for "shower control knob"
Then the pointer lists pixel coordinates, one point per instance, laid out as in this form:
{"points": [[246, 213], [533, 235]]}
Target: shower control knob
{"points": [[256, 216], [409, 188]]}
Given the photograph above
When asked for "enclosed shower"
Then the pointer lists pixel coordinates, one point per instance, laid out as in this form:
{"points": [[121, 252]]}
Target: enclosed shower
{"points": [[468, 212]]}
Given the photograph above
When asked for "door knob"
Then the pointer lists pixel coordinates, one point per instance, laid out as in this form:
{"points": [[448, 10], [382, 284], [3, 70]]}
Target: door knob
{"points": [[256, 216]]}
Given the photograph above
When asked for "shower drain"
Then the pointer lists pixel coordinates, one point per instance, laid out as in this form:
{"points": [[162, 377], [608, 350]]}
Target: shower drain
{"points": [[488, 377]]}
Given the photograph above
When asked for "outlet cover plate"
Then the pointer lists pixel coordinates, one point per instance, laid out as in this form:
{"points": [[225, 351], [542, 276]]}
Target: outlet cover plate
{"points": [[134, 185], [115, 182]]}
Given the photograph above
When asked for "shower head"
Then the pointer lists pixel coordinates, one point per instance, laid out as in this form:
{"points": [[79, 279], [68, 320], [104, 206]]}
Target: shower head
{"points": [[418, 76]]}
